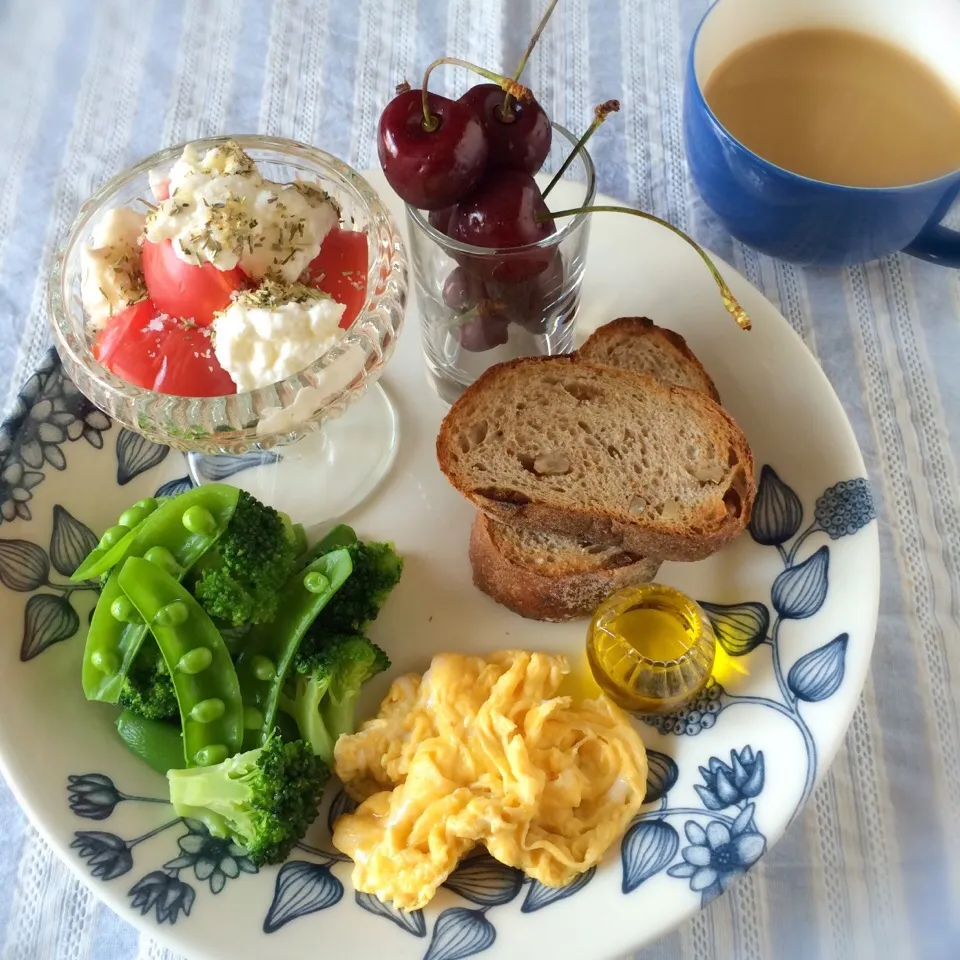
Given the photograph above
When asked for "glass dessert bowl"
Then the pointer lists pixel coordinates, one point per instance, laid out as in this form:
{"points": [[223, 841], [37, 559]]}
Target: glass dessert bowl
{"points": [[289, 443]]}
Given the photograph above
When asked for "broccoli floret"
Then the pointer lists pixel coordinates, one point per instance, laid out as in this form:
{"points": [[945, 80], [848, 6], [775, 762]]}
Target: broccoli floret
{"points": [[147, 688], [321, 694], [264, 799], [376, 571], [296, 533], [239, 580]]}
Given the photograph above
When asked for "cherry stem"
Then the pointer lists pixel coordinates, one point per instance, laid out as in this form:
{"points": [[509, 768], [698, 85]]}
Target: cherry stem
{"points": [[505, 111], [729, 300], [480, 309], [430, 122], [600, 114]]}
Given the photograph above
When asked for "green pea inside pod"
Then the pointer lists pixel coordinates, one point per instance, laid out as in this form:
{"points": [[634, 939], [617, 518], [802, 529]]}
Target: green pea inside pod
{"points": [[198, 519], [113, 535], [316, 582], [124, 611], [206, 711], [104, 661], [132, 517], [211, 755], [194, 661], [164, 559], [172, 615], [263, 668], [252, 718]]}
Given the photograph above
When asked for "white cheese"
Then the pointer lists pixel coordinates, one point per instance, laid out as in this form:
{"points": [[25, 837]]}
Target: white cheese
{"points": [[270, 333], [159, 184], [309, 400], [222, 211], [110, 274]]}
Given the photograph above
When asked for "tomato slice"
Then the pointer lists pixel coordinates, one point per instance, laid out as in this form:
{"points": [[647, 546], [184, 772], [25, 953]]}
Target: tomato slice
{"points": [[187, 291], [190, 367], [340, 270], [131, 343], [153, 351]]}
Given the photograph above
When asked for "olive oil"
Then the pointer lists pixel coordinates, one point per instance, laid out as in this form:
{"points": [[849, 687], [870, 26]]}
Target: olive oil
{"points": [[656, 632], [650, 648]]}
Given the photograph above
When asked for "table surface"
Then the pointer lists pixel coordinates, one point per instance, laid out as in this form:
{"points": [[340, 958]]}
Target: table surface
{"points": [[872, 867]]}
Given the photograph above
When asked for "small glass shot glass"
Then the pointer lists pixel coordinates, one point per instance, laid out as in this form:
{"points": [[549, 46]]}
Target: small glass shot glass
{"points": [[651, 649], [480, 306]]}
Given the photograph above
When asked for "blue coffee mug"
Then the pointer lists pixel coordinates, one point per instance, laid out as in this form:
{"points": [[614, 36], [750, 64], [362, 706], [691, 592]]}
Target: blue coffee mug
{"points": [[793, 217]]}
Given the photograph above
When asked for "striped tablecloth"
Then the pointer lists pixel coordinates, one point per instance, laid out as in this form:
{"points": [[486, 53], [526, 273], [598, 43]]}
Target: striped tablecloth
{"points": [[872, 868]]}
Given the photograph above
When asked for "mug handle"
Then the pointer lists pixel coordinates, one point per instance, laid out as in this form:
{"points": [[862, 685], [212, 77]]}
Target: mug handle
{"points": [[937, 244]]}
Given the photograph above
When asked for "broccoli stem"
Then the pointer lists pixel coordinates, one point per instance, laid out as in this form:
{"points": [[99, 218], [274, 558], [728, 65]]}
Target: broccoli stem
{"points": [[340, 716], [305, 710]]}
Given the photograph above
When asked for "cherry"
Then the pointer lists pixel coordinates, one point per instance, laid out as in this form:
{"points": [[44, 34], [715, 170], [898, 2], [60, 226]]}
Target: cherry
{"points": [[433, 150], [431, 169], [518, 134], [534, 303], [505, 211], [440, 219], [484, 332], [462, 290]]}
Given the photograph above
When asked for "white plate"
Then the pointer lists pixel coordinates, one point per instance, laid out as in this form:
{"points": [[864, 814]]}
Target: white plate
{"points": [[726, 778]]}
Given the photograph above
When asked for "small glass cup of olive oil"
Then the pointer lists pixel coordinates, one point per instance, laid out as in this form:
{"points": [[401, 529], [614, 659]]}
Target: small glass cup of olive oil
{"points": [[651, 648]]}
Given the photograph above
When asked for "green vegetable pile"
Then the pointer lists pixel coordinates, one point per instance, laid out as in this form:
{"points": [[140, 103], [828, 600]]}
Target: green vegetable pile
{"points": [[215, 619]]}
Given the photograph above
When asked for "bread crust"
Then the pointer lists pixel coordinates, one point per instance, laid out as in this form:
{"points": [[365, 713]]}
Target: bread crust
{"points": [[641, 327], [536, 596], [649, 538]]}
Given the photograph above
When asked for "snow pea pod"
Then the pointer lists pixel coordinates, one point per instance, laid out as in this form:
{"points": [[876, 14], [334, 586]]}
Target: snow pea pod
{"points": [[211, 709], [158, 744], [175, 535], [339, 536], [271, 647], [115, 540], [159, 526]]}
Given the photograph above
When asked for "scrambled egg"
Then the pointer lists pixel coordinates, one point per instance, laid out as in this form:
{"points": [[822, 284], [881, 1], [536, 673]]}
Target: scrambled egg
{"points": [[481, 750]]}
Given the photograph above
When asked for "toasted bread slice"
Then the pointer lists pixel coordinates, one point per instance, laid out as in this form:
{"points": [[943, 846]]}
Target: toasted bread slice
{"points": [[601, 453], [638, 344], [551, 576], [548, 576], [555, 577]]}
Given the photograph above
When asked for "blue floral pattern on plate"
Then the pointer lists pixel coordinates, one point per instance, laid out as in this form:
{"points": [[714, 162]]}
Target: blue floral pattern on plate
{"points": [[720, 838], [49, 412], [212, 860]]}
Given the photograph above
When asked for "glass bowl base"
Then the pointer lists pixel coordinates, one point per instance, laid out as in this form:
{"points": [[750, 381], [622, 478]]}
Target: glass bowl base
{"points": [[323, 476]]}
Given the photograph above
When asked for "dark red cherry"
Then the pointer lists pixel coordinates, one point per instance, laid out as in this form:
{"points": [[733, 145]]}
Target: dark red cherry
{"points": [[484, 332], [431, 170], [439, 219], [462, 290], [533, 303], [500, 214], [520, 138]]}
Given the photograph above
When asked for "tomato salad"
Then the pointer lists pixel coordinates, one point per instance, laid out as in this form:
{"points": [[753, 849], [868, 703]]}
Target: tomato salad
{"points": [[229, 282]]}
